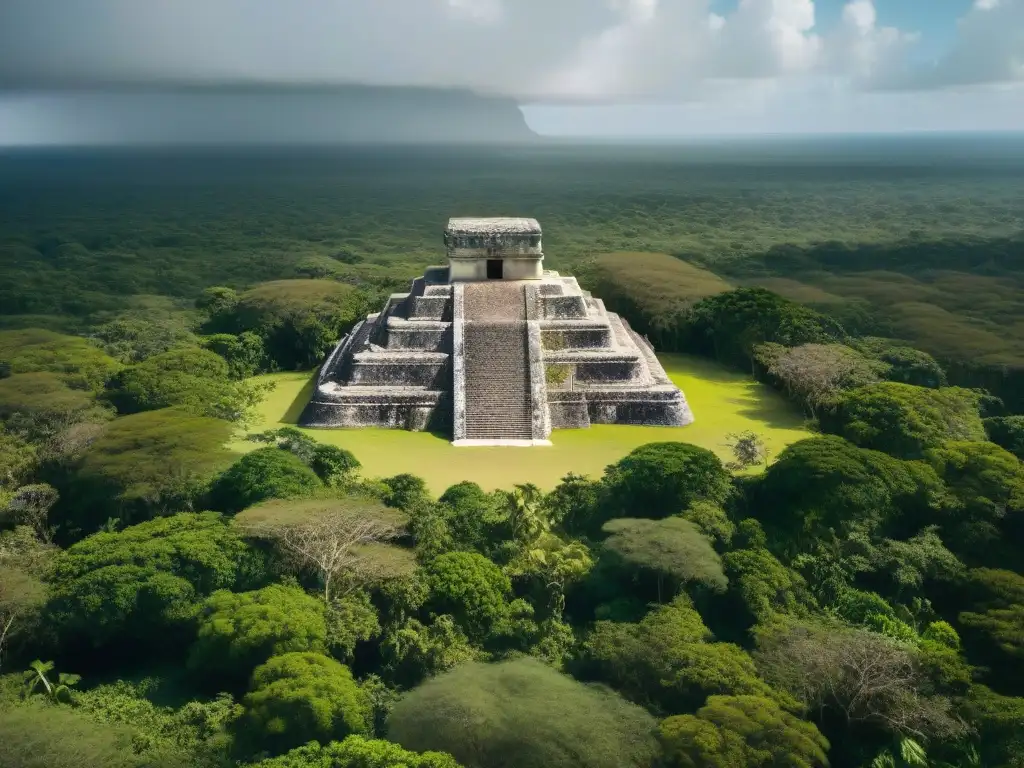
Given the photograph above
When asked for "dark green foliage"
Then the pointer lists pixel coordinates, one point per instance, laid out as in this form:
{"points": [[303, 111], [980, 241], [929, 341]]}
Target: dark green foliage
{"points": [[299, 320], [140, 583], [192, 378], [358, 752], [301, 697], [79, 363], [998, 719], [572, 502], [147, 463], [17, 459], [905, 364], [244, 353], [904, 420], [406, 491], [662, 479], [475, 519], [350, 619], [764, 586], [668, 661], [741, 732], [469, 587], [729, 325], [266, 473], [987, 490], [995, 626], [192, 732], [237, 631], [1008, 432], [826, 484], [333, 465], [674, 547], [570, 724]]}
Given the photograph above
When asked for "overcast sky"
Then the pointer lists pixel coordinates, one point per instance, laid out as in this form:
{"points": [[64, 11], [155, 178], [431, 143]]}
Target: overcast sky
{"points": [[584, 67]]}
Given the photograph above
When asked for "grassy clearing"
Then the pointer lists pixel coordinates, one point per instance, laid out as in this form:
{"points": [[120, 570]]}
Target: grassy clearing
{"points": [[722, 402]]}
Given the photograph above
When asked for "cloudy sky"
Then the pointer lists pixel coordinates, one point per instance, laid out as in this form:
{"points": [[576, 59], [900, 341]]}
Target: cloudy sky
{"points": [[581, 67]]}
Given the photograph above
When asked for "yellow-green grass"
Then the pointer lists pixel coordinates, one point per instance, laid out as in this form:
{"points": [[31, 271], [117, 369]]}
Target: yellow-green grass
{"points": [[722, 401]]}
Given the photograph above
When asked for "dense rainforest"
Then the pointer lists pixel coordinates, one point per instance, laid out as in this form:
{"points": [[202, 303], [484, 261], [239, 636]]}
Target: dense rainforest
{"points": [[167, 601]]}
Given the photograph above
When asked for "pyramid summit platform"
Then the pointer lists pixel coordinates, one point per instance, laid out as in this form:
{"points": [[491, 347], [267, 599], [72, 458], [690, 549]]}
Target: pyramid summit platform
{"points": [[493, 350]]}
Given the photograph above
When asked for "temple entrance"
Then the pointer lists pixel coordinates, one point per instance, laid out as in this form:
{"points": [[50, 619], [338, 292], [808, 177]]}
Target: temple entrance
{"points": [[494, 269]]}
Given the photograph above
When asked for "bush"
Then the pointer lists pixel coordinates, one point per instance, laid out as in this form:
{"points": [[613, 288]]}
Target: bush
{"points": [[298, 320], [142, 584], [904, 420], [662, 479], [146, 464], [299, 697], [522, 713], [78, 362], [237, 631], [469, 587], [358, 752], [266, 473]]}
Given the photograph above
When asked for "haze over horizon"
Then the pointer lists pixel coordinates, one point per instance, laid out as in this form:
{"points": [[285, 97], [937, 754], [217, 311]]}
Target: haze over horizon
{"points": [[579, 68]]}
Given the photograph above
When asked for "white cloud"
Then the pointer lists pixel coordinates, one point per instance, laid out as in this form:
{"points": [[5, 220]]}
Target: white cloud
{"points": [[596, 49]]}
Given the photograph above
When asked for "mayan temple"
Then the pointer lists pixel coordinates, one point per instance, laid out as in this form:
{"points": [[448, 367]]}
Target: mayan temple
{"points": [[494, 350]]}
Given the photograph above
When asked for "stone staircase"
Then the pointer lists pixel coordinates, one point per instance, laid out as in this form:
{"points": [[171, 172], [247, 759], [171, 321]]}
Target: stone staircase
{"points": [[497, 376]]}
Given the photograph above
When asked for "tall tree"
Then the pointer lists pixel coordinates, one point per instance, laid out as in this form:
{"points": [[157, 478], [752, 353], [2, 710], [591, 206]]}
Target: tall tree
{"points": [[344, 541]]}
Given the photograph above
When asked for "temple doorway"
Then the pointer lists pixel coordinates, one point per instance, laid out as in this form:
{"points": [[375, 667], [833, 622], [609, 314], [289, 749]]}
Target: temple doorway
{"points": [[494, 269]]}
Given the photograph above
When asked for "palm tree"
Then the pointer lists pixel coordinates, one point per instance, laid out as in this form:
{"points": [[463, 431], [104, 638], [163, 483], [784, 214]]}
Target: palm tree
{"points": [[526, 514], [36, 676]]}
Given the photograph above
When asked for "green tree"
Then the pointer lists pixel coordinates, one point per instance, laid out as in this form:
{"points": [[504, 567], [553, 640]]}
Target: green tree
{"points": [[43, 409], [524, 713], [145, 465], [766, 587], [344, 541], [238, 631], [729, 325], [406, 491], [668, 661], [997, 719], [415, 650], [865, 679], [904, 420], [22, 595], [470, 588], [80, 363], [826, 486], [299, 320], [333, 465], [358, 752], [905, 364], [476, 519], [300, 697], [17, 459], [672, 546], [139, 584], [191, 378], [572, 503], [266, 473], [244, 353], [987, 485], [741, 731], [815, 374], [662, 479], [1007, 432]]}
